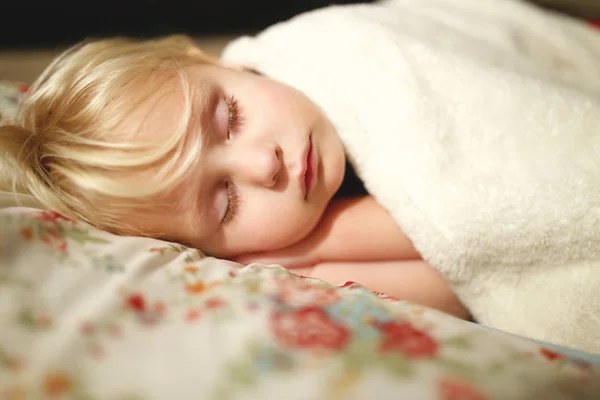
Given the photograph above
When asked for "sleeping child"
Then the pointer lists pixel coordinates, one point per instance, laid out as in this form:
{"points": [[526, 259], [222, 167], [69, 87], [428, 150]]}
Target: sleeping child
{"points": [[412, 148], [156, 138]]}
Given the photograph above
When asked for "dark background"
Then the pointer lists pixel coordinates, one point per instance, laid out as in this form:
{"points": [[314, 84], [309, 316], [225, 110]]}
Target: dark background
{"points": [[51, 23], [25, 23]]}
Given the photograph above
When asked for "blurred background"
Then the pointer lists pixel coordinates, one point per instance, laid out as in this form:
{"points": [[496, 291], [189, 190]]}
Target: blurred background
{"points": [[55, 22], [32, 32]]}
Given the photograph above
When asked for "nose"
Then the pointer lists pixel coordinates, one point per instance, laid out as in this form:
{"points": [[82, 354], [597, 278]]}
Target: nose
{"points": [[260, 165]]}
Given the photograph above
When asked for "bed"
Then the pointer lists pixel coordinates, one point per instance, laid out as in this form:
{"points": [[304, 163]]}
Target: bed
{"points": [[89, 315]]}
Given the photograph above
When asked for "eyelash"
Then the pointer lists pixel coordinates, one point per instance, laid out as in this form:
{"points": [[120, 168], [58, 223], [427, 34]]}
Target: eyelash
{"points": [[235, 120], [232, 203], [233, 124]]}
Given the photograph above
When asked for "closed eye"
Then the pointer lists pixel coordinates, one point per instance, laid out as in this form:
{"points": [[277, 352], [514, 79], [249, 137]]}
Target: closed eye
{"points": [[232, 203], [234, 121], [233, 125]]}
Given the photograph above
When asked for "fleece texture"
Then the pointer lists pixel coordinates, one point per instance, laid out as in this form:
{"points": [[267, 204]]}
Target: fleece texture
{"points": [[475, 123]]}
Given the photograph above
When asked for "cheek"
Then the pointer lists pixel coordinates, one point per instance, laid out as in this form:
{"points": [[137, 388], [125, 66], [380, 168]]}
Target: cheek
{"points": [[276, 226], [273, 105], [334, 161]]}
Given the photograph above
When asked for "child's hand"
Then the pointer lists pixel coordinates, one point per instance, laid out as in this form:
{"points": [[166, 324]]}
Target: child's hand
{"points": [[302, 254], [352, 230]]}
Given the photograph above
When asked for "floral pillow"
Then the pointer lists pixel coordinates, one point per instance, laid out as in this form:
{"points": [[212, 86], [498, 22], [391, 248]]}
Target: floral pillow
{"points": [[89, 315]]}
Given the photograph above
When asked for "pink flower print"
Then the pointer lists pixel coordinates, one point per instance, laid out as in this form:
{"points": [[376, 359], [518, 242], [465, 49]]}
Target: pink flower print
{"points": [[551, 355], [309, 328], [408, 340], [455, 389], [136, 303], [55, 240], [52, 216]]}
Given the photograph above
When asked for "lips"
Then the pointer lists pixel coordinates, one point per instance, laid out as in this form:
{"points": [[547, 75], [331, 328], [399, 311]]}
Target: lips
{"points": [[308, 175]]}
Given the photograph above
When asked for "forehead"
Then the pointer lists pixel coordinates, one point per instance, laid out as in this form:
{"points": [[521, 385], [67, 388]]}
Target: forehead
{"points": [[159, 110]]}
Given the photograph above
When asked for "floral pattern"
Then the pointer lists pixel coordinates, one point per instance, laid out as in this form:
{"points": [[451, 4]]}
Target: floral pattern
{"points": [[404, 338], [89, 315], [455, 389], [309, 328]]}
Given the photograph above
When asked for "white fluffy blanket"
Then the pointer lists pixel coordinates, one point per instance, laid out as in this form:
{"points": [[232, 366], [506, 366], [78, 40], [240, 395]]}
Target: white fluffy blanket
{"points": [[476, 124]]}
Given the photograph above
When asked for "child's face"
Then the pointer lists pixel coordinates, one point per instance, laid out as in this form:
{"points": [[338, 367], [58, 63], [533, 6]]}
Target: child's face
{"points": [[264, 145]]}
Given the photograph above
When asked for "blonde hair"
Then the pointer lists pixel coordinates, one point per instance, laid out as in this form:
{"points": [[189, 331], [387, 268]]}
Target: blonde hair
{"points": [[62, 147]]}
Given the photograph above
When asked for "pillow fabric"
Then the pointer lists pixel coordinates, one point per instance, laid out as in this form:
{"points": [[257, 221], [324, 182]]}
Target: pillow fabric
{"points": [[10, 95], [86, 314]]}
